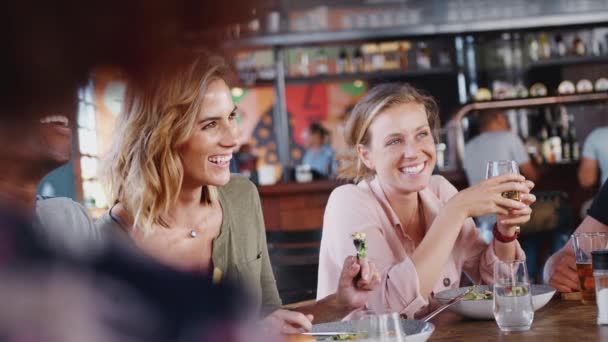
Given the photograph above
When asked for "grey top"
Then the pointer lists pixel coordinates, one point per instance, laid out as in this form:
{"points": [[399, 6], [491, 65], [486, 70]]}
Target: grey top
{"points": [[67, 227], [240, 250], [596, 148], [491, 146]]}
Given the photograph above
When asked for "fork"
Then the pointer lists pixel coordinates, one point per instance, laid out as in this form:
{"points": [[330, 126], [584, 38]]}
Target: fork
{"points": [[448, 304]]}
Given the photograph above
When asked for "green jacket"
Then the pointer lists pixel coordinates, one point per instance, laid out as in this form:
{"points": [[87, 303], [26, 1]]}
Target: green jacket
{"points": [[240, 249]]}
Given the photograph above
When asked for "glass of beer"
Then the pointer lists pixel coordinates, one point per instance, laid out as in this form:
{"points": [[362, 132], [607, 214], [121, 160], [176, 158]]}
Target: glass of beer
{"points": [[501, 167], [584, 244]]}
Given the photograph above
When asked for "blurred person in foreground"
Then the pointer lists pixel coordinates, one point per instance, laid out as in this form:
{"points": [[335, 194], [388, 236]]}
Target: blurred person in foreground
{"points": [[60, 280], [419, 228], [560, 268], [176, 200], [318, 155], [495, 142]]}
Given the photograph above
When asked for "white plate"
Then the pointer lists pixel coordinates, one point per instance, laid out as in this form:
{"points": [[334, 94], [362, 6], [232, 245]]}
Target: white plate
{"points": [[416, 331], [482, 309]]}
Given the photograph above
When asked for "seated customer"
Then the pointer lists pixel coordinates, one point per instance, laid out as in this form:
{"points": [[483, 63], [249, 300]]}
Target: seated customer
{"points": [[175, 199], [418, 226], [318, 155], [594, 164], [560, 269]]}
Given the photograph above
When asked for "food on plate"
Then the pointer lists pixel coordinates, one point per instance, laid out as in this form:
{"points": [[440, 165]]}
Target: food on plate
{"points": [[516, 291], [360, 244], [344, 337], [513, 291], [474, 295], [299, 338]]}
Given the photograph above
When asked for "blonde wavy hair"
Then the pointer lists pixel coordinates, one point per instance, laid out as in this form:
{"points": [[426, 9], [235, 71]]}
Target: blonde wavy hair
{"points": [[377, 100], [143, 170]]}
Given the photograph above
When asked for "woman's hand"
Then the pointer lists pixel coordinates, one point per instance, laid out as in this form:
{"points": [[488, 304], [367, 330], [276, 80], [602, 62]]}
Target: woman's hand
{"points": [[287, 322], [352, 292], [486, 197], [507, 224]]}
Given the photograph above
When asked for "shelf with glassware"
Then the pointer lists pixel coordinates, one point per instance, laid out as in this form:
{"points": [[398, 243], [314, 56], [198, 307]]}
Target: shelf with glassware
{"points": [[548, 61], [390, 61]]}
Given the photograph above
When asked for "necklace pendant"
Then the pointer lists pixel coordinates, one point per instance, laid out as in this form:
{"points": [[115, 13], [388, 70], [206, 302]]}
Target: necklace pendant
{"points": [[192, 234]]}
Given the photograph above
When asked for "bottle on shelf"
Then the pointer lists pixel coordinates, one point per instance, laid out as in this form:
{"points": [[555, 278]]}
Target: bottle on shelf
{"points": [[404, 48], [566, 145], [576, 151], [560, 46], [564, 124], [302, 64], [578, 47], [322, 62], [545, 146], [423, 56], [533, 48], [544, 45], [342, 62], [356, 64], [556, 145]]}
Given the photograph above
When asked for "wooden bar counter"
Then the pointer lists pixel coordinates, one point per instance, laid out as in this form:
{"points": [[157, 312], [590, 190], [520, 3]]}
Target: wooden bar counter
{"points": [[295, 206], [560, 320]]}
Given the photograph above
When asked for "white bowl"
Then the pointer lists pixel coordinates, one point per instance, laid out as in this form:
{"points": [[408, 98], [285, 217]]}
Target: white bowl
{"points": [[482, 308]]}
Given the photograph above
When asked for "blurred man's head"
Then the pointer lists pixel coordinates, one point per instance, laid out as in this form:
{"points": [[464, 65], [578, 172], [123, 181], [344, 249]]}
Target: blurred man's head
{"points": [[317, 135], [493, 120], [50, 50]]}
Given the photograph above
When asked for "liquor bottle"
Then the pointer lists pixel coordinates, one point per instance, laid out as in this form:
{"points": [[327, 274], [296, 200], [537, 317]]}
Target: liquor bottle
{"points": [[357, 61], [545, 146], [404, 48], [423, 56], [556, 145], [544, 45], [560, 46], [342, 62], [578, 46], [322, 62], [566, 145], [576, 151], [533, 48]]}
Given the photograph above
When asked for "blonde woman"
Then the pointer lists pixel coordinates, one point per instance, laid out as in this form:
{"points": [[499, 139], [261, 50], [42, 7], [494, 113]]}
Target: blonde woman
{"points": [[176, 200], [419, 227]]}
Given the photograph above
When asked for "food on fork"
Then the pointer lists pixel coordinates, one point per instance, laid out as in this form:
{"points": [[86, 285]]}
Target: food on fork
{"points": [[360, 244]]}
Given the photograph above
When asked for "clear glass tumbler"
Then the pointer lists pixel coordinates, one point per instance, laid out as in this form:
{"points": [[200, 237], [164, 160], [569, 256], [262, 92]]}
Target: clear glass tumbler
{"points": [[513, 309]]}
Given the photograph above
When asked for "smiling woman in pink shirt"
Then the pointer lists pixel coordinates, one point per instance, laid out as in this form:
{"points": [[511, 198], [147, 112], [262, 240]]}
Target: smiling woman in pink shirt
{"points": [[419, 229]]}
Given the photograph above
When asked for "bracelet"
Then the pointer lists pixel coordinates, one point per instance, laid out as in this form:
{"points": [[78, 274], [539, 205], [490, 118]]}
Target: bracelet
{"points": [[502, 238]]}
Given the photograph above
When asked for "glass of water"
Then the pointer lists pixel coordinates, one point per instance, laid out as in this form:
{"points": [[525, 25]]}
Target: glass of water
{"points": [[501, 167], [513, 309], [379, 327]]}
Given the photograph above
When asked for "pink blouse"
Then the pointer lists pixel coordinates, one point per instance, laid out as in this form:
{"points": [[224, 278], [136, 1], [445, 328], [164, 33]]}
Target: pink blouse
{"points": [[365, 208]]}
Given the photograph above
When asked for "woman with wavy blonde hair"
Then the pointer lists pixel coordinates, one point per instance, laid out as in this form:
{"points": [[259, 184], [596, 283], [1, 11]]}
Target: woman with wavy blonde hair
{"points": [[174, 197], [419, 228]]}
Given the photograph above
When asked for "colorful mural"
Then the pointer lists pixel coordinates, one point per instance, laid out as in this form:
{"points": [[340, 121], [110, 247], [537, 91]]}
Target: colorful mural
{"points": [[325, 103]]}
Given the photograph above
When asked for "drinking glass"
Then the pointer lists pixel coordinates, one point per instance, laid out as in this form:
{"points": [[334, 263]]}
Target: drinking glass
{"points": [[584, 244], [383, 327], [512, 307], [501, 167]]}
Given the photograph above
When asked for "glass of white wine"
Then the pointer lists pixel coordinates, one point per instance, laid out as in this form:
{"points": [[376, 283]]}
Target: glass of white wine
{"points": [[501, 167]]}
